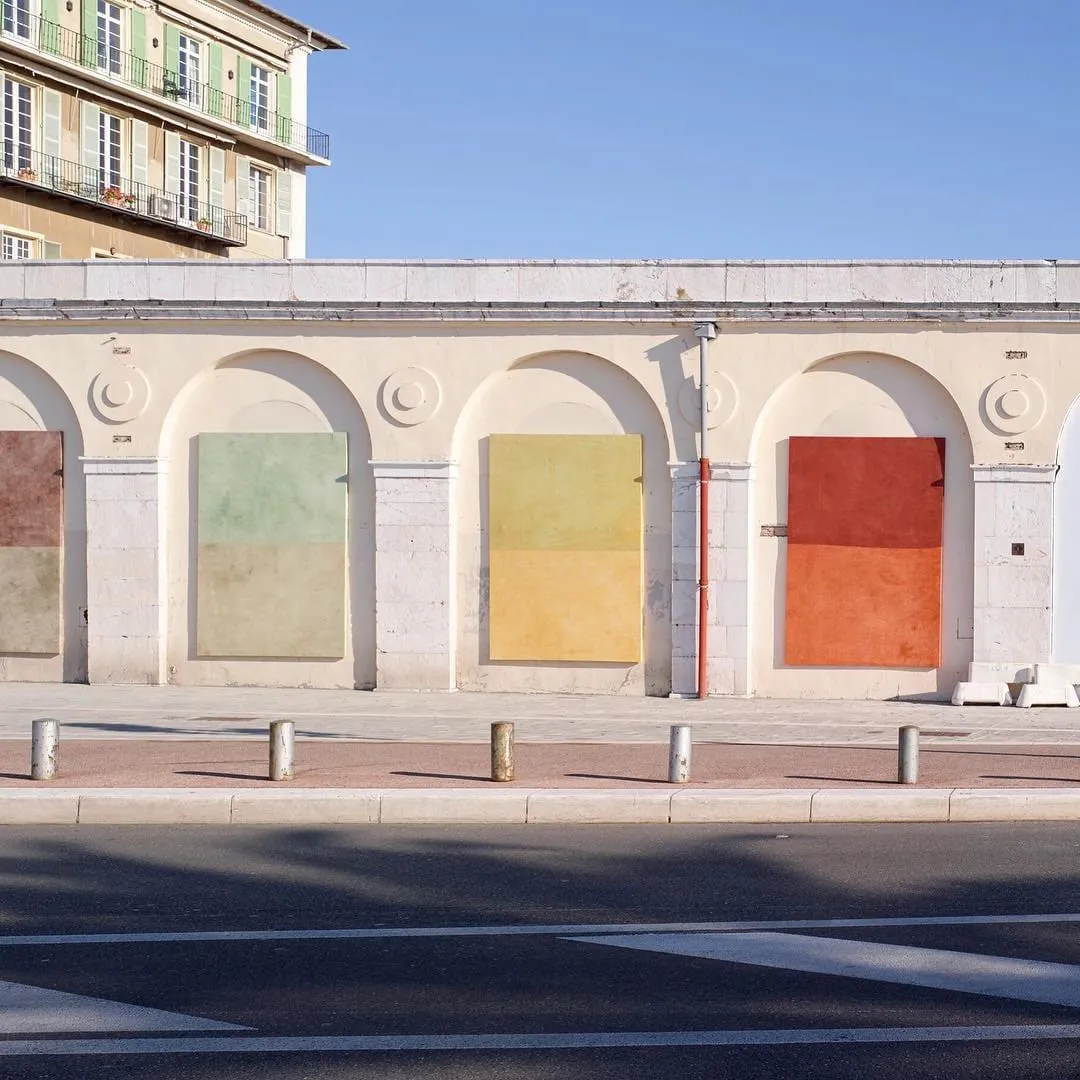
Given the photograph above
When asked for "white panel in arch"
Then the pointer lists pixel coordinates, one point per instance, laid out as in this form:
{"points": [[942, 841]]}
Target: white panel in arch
{"points": [[1066, 634]]}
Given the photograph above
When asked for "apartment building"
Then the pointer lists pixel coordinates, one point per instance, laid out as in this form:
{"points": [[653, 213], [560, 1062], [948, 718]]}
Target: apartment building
{"points": [[152, 129]]}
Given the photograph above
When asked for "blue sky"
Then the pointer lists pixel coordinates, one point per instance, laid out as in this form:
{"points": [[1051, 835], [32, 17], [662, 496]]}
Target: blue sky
{"points": [[696, 129]]}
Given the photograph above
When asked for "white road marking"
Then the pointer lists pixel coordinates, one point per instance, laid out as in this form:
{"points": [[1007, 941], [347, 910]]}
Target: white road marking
{"points": [[587, 1040], [27, 1010], [939, 969], [566, 930]]}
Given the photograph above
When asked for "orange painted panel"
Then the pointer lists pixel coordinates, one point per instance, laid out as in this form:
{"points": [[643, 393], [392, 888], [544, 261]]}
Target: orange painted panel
{"points": [[863, 607], [864, 556]]}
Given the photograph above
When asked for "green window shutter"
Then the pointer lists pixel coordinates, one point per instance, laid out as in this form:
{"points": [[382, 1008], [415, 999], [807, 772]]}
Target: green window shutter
{"points": [[138, 46], [50, 250], [172, 60], [243, 184], [50, 26], [51, 127], [89, 146], [284, 203], [216, 66], [89, 33], [284, 109], [140, 154], [172, 162], [243, 91]]}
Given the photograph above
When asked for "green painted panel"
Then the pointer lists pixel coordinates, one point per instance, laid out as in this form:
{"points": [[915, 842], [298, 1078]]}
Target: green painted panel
{"points": [[273, 489], [30, 613]]}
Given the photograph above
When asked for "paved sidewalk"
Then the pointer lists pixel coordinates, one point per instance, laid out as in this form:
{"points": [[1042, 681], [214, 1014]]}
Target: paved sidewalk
{"points": [[199, 755]]}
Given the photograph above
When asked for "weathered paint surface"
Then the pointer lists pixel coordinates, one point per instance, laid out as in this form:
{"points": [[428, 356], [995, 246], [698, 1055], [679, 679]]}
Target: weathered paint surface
{"points": [[272, 526], [565, 533], [31, 541]]}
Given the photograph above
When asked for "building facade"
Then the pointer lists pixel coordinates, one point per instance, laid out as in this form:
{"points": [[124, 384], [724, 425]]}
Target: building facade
{"points": [[484, 475], [154, 129]]}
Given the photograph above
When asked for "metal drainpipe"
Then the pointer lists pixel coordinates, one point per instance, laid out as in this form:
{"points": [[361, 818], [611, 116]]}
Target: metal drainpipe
{"points": [[704, 332]]}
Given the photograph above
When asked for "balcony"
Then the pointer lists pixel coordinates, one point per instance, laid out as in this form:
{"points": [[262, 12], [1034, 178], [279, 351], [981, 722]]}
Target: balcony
{"points": [[74, 181], [53, 40]]}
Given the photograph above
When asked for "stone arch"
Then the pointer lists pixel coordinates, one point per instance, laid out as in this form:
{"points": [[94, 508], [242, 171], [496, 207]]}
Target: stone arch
{"points": [[267, 391], [561, 393], [861, 394], [31, 400]]}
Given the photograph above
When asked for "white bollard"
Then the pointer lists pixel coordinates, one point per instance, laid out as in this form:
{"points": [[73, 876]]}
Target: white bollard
{"points": [[907, 765], [679, 755], [282, 750], [44, 749]]}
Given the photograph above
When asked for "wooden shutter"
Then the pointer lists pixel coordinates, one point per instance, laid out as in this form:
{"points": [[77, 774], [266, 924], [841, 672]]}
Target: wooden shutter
{"points": [[283, 96], [216, 78], [284, 203], [140, 152], [243, 183], [137, 27], [89, 33], [89, 149], [172, 162]]}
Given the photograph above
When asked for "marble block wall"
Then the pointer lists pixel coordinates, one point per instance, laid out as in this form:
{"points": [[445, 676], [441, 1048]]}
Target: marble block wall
{"points": [[727, 663], [415, 575], [124, 569]]}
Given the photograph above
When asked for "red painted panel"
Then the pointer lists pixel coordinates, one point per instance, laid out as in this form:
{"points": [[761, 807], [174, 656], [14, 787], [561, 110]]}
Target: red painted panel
{"points": [[864, 557], [866, 492], [31, 489]]}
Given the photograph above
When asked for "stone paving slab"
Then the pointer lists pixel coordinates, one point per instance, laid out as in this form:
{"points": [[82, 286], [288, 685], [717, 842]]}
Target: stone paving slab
{"points": [[171, 712]]}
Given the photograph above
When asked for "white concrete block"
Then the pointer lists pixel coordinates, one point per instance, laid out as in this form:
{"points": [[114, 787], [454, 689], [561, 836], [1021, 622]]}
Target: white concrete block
{"points": [[60, 279], [697, 282], [1036, 283], [581, 806], [420, 538], [765, 805], [305, 807], [785, 283], [386, 282], [1001, 671], [646, 282], [746, 282], [1014, 804], [828, 281], [40, 807], [1067, 283], [984, 693], [948, 282], [1047, 694], [410, 514], [145, 806], [435, 283], [684, 528], [13, 281], [454, 806], [735, 530], [497, 283], [329, 282], [253, 280], [880, 804], [549, 284], [407, 670], [734, 609], [734, 564], [890, 283], [1019, 585], [414, 627], [1057, 673]]}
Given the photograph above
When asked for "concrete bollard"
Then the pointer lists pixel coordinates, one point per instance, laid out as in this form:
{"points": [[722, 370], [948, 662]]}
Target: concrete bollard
{"points": [[502, 751], [679, 755], [282, 750], [907, 768], [44, 749]]}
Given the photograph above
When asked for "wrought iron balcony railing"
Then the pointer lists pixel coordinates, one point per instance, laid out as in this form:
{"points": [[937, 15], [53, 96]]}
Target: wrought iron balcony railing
{"points": [[20, 165], [90, 52]]}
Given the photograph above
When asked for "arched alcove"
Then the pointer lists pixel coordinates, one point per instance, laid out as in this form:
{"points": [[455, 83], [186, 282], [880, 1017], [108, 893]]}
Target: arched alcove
{"points": [[862, 396], [31, 402], [561, 394], [253, 411]]}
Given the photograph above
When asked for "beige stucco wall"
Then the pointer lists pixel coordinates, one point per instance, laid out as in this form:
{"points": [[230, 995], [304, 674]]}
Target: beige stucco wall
{"points": [[528, 365]]}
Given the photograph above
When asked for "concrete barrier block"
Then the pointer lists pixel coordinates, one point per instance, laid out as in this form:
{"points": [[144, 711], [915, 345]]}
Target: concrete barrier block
{"points": [[305, 807], [765, 805], [1014, 804], [880, 804], [579, 806], [145, 806], [453, 806], [982, 693], [39, 807], [1047, 694]]}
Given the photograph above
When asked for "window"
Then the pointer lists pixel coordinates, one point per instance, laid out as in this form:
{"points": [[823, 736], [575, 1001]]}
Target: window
{"points": [[109, 18], [260, 98], [16, 247], [18, 125], [259, 195], [189, 181], [16, 18], [110, 150], [190, 74]]}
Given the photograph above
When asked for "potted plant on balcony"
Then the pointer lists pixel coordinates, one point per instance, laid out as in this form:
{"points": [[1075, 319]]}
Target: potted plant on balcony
{"points": [[204, 224], [112, 195], [26, 173]]}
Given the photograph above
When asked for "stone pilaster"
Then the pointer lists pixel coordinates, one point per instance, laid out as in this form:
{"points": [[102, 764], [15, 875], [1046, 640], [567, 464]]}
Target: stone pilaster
{"points": [[125, 564], [1014, 526], [415, 575], [729, 532]]}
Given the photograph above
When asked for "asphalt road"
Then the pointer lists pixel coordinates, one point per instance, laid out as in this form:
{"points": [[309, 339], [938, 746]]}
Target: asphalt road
{"points": [[816, 951]]}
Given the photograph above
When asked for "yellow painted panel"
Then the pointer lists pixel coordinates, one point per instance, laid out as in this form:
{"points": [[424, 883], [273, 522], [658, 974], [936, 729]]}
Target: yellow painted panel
{"points": [[565, 492], [566, 605]]}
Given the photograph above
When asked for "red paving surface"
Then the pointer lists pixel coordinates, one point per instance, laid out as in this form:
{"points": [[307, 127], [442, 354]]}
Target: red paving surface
{"points": [[343, 764]]}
